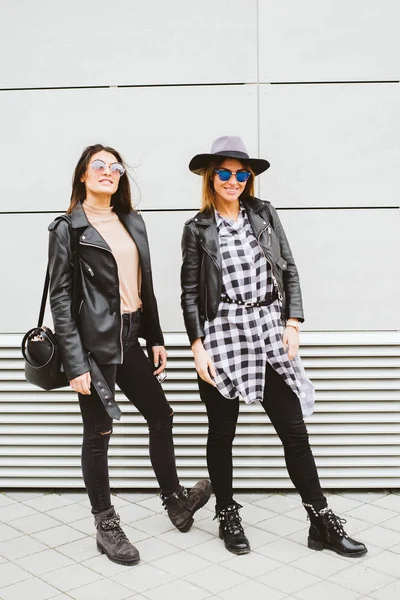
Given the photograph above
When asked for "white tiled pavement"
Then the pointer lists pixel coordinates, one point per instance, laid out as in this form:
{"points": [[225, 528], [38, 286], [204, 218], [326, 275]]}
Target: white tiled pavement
{"points": [[48, 550]]}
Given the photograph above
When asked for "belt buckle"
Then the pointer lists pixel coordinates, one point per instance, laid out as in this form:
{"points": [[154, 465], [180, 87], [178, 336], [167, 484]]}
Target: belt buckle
{"points": [[249, 304]]}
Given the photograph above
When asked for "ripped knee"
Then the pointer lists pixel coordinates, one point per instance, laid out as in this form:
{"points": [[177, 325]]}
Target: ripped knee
{"points": [[161, 423]]}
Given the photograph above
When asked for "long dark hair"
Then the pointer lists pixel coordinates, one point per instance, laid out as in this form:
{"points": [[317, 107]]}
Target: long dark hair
{"points": [[121, 200]]}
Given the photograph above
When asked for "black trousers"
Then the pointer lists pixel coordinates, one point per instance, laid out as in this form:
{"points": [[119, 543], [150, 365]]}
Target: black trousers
{"points": [[283, 408], [136, 380]]}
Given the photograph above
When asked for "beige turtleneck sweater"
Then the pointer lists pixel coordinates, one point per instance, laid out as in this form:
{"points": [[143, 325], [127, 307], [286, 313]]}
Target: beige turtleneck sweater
{"points": [[125, 252]]}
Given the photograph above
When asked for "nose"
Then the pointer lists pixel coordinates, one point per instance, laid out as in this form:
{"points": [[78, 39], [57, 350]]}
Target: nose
{"points": [[232, 178]]}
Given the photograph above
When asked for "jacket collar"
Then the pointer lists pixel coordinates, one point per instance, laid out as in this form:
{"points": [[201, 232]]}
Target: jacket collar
{"points": [[132, 221], [78, 217]]}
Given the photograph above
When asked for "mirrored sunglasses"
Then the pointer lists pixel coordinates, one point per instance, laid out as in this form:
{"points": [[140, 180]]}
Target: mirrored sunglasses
{"points": [[226, 174], [99, 167]]}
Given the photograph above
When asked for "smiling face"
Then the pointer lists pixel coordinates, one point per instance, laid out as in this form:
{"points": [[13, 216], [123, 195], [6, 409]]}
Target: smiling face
{"points": [[101, 183], [229, 191]]}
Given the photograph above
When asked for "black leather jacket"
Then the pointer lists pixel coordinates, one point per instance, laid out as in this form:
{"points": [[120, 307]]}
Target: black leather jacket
{"points": [[98, 325], [201, 274]]}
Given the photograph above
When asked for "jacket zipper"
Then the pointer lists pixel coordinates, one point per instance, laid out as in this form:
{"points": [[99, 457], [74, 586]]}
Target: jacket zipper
{"points": [[269, 235], [205, 284], [212, 258], [206, 301], [87, 267], [120, 318], [268, 227]]}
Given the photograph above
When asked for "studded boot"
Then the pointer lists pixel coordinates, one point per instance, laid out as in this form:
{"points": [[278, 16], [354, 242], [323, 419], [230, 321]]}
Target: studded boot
{"points": [[326, 531], [231, 530], [182, 505], [112, 541]]}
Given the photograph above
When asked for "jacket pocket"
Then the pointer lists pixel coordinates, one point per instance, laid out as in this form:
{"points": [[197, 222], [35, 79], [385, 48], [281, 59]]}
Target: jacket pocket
{"points": [[87, 267]]}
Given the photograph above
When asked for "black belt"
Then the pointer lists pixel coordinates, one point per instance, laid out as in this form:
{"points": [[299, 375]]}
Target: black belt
{"points": [[268, 300]]}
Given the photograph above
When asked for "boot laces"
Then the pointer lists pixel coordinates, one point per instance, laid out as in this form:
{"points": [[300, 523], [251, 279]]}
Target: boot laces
{"points": [[230, 519], [113, 525], [335, 522]]}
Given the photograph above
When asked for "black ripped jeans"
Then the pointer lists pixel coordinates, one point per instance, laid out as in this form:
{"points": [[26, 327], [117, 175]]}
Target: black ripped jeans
{"points": [[283, 408], [136, 380]]}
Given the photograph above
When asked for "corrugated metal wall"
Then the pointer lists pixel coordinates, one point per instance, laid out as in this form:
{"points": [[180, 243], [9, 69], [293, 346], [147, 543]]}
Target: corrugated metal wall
{"points": [[312, 86], [355, 431]]}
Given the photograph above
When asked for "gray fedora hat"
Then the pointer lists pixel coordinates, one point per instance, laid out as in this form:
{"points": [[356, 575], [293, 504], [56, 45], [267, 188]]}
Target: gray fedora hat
{"points": [[227, 146]]}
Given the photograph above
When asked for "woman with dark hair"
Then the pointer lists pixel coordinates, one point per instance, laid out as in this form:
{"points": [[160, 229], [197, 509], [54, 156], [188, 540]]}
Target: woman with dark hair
{"points": [[242, 307], [102, 300]]}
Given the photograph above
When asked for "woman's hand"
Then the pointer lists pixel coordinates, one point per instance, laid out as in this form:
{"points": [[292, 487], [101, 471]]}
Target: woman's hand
{"points": [[291, 342], [81, 384], [160, 359], [204, 364]]}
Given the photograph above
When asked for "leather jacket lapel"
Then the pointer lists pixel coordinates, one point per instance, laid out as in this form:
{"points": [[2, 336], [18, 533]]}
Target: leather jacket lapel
{"points": [[209, 241], [135, 226], [209, 233], [88, 235], [259, 222]]}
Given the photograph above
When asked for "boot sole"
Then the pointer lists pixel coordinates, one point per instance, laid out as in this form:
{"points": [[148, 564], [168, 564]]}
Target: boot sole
{"points": [[186, 526], [317, 545], [238, 551], [119, 561]]}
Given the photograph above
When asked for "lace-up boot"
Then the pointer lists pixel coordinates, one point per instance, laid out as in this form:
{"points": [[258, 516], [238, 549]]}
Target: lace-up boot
{"points": [[182, 505], [112, 541], [231, 530], [326, 531]]}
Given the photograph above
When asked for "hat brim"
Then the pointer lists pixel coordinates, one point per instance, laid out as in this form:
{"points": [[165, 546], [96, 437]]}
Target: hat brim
{"points": [[202, 161]]}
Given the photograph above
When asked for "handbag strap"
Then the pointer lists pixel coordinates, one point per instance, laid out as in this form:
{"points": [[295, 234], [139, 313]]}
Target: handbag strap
{"points": [[44, 297], [75, 282]]}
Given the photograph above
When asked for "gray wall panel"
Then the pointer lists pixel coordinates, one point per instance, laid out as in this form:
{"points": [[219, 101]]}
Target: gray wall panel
{"points": [[126, 43], [331, 145], [158, 130], [338, 254], [333, 40], [24, 244], [347, 262]]}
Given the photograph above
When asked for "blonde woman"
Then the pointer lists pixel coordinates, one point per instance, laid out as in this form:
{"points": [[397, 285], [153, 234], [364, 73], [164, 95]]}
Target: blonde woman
{"points": [[242, 307]]}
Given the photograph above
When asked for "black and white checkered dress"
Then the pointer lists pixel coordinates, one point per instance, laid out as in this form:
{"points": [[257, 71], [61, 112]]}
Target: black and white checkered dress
{"points": [[241, 340]]}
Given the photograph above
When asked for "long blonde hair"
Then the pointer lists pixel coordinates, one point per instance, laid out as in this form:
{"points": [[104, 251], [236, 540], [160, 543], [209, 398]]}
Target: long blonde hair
{"points": [[208, 192]]}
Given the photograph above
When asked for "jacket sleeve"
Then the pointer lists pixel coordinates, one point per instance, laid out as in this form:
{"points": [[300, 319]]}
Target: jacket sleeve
{"points": [[73, 355], [190, 285], [152, 331], [291, 280]]}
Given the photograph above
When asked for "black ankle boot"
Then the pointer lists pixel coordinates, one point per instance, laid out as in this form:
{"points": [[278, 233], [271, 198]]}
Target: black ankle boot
{"points": [[182, 505], [326, 531], [231, 530], [112, 541]]}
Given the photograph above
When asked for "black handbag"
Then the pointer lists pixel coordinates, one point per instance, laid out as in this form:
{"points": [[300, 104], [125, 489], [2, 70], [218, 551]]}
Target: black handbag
{"points": [[41, 352]]}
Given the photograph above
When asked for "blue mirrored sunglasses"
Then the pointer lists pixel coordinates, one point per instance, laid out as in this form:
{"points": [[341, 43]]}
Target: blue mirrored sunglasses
{"points": [[226, 174]]}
